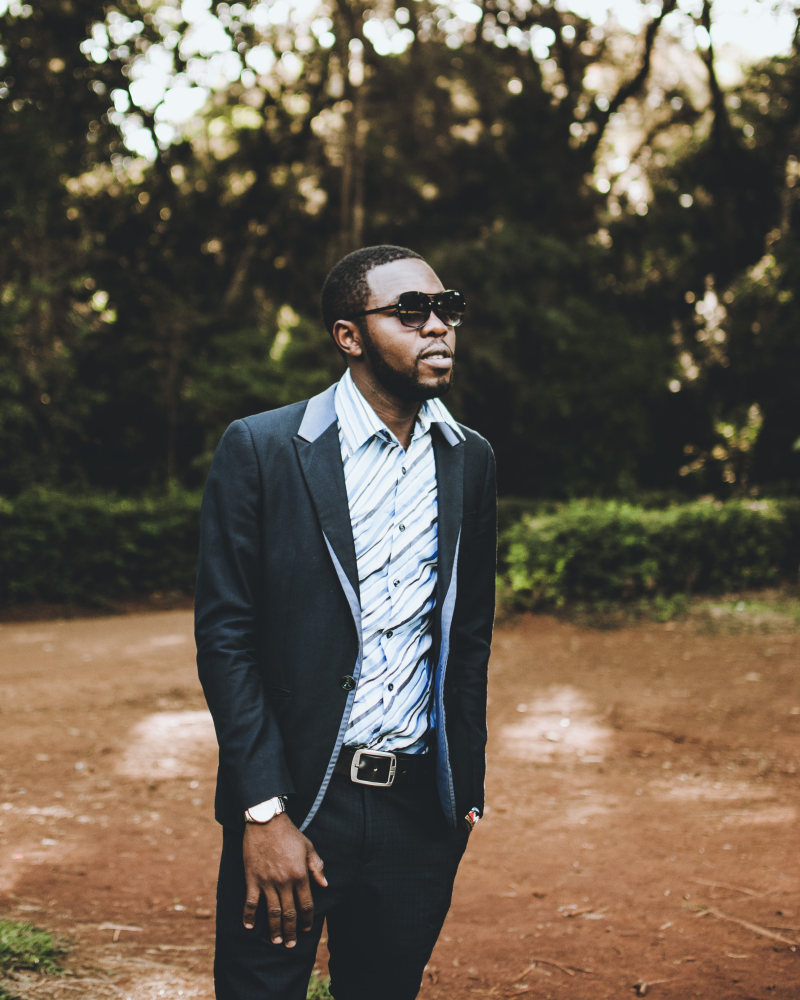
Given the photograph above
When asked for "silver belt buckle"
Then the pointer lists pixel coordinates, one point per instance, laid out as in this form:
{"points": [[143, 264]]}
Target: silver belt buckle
{"points": [[359, 763]]}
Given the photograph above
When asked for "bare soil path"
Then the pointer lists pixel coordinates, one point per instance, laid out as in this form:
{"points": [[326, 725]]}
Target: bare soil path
{"points": [[642, 837]]}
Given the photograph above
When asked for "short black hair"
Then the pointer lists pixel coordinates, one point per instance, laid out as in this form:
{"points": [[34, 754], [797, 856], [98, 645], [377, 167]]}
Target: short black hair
{"points": [[346, 291]]}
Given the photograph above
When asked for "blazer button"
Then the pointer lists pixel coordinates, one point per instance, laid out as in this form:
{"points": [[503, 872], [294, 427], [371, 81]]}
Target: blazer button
{"points": [[347, 682]]}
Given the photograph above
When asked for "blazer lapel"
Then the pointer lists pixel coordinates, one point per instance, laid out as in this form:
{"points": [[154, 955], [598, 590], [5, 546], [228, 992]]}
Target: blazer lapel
{"points": [[449, 454], [319, 452]]}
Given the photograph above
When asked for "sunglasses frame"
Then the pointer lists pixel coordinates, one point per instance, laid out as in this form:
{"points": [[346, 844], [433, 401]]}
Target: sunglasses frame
{"points": [[435, 305]]}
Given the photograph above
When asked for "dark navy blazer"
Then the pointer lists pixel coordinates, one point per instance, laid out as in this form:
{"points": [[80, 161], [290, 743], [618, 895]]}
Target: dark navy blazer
{"points": [[277, 611]]}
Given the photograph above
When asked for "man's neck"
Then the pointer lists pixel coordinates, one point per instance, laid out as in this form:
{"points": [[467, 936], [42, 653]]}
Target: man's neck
{"points": [[398, 415]]}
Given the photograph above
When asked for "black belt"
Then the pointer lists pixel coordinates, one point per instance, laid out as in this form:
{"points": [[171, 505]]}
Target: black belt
{"points": [[382, 768]]}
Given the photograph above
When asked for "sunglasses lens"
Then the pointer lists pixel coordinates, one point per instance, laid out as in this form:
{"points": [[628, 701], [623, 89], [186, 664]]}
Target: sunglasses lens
{"points": [[414, 308], [450, 307]]}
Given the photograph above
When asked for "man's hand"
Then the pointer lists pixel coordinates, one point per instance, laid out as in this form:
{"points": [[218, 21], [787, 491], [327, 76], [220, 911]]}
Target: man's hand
{"points": [[277, 862]]}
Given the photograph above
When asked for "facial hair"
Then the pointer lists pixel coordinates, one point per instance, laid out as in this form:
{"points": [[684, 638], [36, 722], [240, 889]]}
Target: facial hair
{"points": [[400, 384]]}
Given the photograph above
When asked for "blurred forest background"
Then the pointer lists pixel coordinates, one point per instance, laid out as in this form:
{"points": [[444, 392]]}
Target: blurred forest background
{"points": [[619, 203]]}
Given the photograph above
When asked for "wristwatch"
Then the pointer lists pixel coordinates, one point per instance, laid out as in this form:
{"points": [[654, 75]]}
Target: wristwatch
{"points": [[265, 811]]}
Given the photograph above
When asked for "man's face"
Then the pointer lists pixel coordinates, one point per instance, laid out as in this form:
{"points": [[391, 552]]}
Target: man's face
{"points": [[409, 364]]}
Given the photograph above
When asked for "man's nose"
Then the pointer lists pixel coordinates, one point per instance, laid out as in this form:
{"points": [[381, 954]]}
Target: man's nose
{"points": [[434, 326]]}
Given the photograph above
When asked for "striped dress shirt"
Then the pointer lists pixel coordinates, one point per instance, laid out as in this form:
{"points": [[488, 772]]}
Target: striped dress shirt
{"points": [[392, 497]]}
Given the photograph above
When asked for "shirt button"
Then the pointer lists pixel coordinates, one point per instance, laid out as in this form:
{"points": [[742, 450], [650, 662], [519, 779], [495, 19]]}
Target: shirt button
{"points": [[404, 470], [391, 687], [402, 527], [347, 682], [395, 583], [389, 633]]}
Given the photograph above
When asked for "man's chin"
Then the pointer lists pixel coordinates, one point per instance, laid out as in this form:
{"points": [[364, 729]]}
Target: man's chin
{"points": [[416, 390], [429, 386], [434, 391], [413, 390]]}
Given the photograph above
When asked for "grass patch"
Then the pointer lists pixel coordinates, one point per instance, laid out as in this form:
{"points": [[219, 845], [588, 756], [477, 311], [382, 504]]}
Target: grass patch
{"points": [[317, 989], [769, 610], [763, 611], [24, 947], [621, 614]]}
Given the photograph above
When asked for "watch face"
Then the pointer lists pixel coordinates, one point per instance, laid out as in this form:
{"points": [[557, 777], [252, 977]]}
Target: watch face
{"points": [[264, 811]]}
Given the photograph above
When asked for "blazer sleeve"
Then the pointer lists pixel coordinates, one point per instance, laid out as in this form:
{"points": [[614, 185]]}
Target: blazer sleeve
{"points": [[473, 620], [230, 588]]}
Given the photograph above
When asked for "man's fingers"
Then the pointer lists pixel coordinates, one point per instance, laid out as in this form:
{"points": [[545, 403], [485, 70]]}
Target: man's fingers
{"points": [[250, 906], [289, 913], [277, 861], [274, 916], [305, 907], [316, 866]]}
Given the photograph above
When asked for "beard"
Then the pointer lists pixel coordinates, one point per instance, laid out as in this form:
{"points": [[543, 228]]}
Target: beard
{"points": [[403, 385]]}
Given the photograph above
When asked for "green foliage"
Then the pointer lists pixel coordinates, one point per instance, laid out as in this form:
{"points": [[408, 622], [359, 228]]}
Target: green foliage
{"points": [[318, 989], [26, 947], [573, 385], [591, 553], [53, 129], [713, 267], [512, 509], [97, 548], [147, 302]]}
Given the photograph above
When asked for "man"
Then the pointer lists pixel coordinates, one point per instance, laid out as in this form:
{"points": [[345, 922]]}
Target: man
{"points": [[344, 611]]}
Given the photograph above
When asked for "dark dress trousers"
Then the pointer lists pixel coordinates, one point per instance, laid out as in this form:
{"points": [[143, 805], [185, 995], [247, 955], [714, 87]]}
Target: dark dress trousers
{"points": [[277, 619]]}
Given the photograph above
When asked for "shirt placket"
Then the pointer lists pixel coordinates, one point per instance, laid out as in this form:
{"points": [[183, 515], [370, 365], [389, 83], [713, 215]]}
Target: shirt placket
{"points": [[396, 583]]}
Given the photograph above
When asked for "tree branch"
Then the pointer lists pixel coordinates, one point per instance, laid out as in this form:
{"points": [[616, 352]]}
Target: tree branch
{"points": [[633, 86], [722, 132]]}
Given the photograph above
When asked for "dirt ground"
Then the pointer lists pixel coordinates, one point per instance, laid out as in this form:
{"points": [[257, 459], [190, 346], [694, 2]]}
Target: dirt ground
{"points": [[641, 837]]}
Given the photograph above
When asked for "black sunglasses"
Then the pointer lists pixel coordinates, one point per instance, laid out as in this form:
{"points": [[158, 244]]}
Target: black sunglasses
{"points": [[414, 308]]}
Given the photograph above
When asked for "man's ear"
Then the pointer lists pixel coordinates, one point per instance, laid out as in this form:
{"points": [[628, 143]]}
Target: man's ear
{"points": [[347, 337]]}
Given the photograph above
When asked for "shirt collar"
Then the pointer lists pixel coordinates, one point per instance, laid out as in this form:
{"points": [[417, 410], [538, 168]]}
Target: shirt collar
{"points": [[359, 422]]}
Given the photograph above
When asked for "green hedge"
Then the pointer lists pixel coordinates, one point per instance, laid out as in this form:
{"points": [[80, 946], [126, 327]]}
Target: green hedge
{"points": [[591, 552], [96, 549]]}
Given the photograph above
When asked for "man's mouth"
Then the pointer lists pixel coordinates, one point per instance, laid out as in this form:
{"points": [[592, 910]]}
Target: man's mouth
{"points": [[438, 358]]}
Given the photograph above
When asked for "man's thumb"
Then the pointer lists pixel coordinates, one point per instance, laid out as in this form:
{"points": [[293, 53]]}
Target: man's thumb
{"points": [[316, 867]]}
